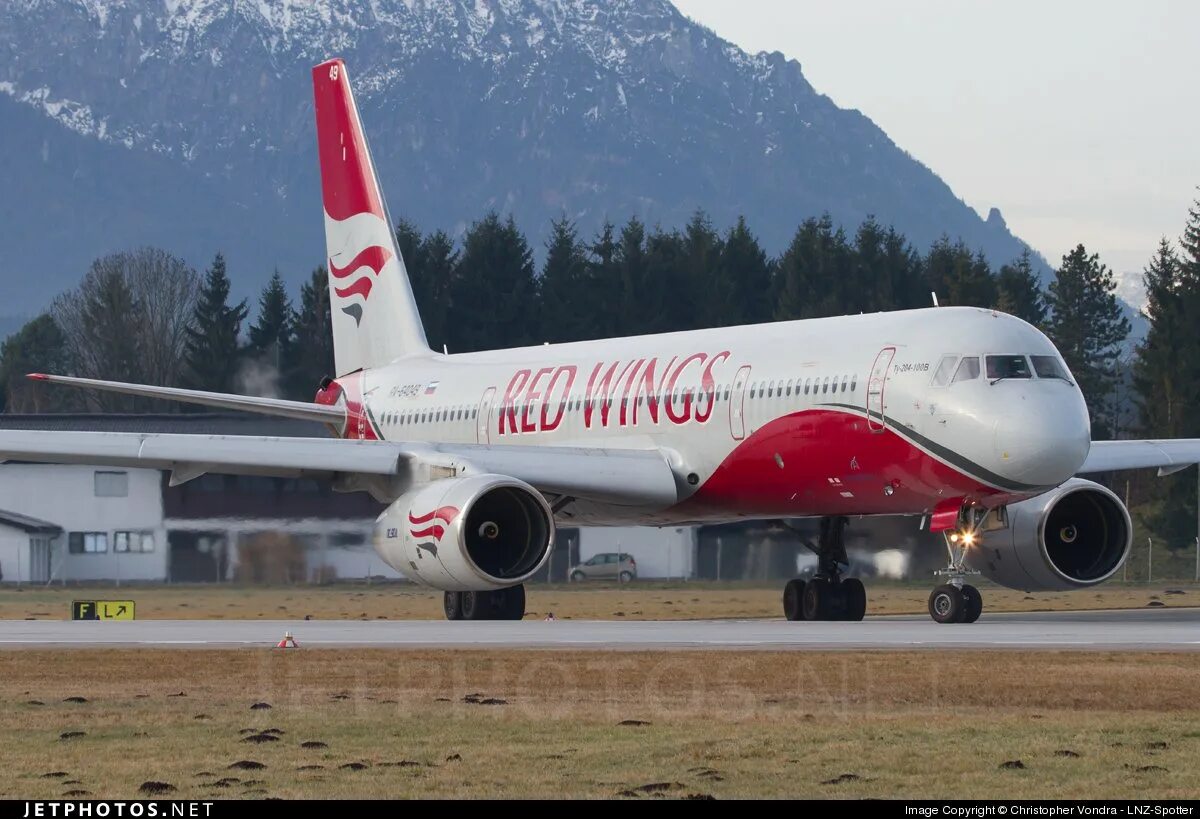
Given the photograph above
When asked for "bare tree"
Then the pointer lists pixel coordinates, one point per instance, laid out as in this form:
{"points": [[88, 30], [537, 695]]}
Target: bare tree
{"points": [[127, 320]]}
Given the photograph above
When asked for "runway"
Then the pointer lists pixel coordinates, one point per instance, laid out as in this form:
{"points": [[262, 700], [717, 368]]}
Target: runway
{"points": [[1143, 629]]}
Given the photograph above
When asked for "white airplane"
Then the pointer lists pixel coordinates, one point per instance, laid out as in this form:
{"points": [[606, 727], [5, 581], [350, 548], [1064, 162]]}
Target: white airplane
{"points": [[967, 419]]}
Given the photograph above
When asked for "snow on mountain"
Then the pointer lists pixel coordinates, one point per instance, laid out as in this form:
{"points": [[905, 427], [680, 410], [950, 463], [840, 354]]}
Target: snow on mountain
{"points": [[188, 123]]}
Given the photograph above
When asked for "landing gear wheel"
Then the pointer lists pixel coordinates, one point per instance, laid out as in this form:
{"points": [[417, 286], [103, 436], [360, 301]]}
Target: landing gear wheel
{"points": [[854, 598], [793, 600], [815, 603], [947, 604], [510, 603], [476, 605], [452, 605], [973, 604]]}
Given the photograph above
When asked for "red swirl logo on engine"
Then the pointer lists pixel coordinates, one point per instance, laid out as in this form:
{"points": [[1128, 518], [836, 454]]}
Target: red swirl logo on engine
{"points": [[430, 525]]}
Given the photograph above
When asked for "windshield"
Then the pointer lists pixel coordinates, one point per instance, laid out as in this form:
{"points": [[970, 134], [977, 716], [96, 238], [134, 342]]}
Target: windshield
{"points": [[1007, 366], [967, 370], [1048, 366]]}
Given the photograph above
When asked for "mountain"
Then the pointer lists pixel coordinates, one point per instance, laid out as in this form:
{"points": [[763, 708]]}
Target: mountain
{"points": [[188, 124]]}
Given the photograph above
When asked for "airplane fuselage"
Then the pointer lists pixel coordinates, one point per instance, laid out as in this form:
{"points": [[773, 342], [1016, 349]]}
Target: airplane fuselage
{"points": [[881, 414]]}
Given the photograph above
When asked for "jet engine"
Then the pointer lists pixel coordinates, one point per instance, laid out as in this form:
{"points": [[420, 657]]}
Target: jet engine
{"points": [[1072, 537], [477, 533]]}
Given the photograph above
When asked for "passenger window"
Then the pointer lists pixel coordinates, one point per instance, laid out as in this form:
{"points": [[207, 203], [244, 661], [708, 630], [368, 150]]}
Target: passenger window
{"points": [[1047, 366], [854, 382], [945, 369], [968, 370], [825, 386], [1007, 366], [845, 381]]}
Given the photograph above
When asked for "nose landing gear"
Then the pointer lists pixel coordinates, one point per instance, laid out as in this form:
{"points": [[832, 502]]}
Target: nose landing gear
{"points": [[827, 596], [956, 601]]}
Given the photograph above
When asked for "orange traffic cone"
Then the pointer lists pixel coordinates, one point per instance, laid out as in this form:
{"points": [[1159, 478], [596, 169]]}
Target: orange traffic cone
{"points": [[288, 641]]}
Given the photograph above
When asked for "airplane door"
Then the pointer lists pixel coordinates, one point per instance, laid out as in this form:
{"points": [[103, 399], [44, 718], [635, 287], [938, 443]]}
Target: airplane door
{"points": [[737, 404], [483, 418], [875, 387]]}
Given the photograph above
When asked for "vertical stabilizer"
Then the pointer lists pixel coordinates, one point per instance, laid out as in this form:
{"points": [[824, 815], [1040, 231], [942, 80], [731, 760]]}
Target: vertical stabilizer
{"points": [[375, 318]]}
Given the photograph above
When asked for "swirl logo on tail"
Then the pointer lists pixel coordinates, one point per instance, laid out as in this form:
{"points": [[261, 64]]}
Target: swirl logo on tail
{"points": [[430, 525], [373, 258]]}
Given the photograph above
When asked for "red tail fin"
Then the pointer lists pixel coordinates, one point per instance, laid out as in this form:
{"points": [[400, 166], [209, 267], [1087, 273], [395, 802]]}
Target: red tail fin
{"points": [[375, 317]]}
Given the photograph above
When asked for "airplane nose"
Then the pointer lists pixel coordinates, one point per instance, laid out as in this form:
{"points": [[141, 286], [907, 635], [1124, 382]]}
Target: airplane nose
{"points": [[1043, 441]]}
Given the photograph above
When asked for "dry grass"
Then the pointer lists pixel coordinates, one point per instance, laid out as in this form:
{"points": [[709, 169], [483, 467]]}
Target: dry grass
{"points": [[594, 601], [727, 724]]}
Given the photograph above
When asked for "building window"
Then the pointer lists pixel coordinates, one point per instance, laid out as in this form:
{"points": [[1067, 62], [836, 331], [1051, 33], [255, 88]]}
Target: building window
{"points": [[112, 484], [133, 542], [80, 543]]}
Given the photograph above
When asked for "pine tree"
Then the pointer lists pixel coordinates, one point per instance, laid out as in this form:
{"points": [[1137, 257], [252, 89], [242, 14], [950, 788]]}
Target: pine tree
{"points": [[106, 308], [271, 332], [39, 346], [439, 266], [627, 304], [697, 302], [740, 289], [1087, 326], [494, 289], [906, 272], [1019, 292], [310, 359], [566, 309], [958, 276], [663, 302], [1164, 379], [604, 282], [816, 273], [212, 352]]}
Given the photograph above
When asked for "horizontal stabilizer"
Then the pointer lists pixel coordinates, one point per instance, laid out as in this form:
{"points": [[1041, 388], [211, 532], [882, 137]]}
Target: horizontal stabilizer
{"points": [[278, 407]]}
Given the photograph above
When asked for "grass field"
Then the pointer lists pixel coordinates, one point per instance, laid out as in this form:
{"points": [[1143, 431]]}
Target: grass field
{"points": [[475, 724], [643, 600]]}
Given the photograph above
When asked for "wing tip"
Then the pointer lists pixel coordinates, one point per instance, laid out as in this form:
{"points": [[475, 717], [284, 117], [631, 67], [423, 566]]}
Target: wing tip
{"points": [[37, 377]]}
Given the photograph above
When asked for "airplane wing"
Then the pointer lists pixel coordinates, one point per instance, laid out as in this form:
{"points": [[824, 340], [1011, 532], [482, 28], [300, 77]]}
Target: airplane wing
{"points": [[1168, 455], [301, 410], [619, 476]]}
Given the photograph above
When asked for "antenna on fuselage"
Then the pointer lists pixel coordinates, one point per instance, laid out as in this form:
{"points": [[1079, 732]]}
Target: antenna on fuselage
{"points": [[933, 293]]}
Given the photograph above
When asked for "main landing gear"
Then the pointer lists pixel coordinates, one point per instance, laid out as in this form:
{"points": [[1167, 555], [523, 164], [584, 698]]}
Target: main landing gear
{"points": [[827, 596], [956, 601], [501, 604]]}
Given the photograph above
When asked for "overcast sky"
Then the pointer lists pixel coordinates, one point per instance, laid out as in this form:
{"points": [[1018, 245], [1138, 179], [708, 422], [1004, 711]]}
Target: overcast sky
{"points": [[1079, 120]]}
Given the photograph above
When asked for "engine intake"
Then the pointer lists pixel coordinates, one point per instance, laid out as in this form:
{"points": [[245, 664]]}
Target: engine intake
{"points": [[1072, 537], [478, 533]]}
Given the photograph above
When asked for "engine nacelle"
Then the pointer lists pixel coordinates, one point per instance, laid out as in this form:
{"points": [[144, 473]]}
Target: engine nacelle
{"points": [[478, 533], [1072, 537]]}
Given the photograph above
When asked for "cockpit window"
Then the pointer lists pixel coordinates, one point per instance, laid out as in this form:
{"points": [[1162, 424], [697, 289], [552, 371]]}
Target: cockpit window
{"points": [[941, 376], [967, 370], [1048, 366], [1007, 366]]}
